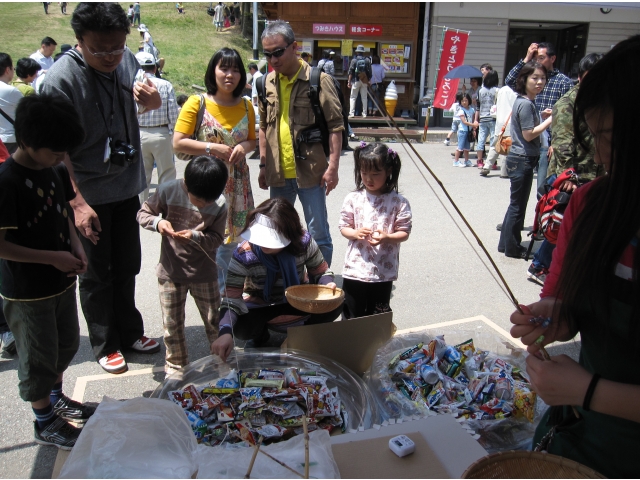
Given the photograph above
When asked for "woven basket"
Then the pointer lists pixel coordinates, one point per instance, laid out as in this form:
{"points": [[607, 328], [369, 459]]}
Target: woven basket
{"points": [[314, 298], [520, 464]]}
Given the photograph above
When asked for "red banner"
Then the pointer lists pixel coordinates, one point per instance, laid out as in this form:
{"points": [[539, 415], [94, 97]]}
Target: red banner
{"points": [[452, 56]]}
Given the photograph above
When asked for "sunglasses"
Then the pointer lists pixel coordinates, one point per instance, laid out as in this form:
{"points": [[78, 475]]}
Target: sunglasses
{"points": [[277, 53]]}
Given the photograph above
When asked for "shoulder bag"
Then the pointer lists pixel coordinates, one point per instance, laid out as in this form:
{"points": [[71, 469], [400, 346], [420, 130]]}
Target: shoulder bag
{"points": [[503, 142], [194, 135]]}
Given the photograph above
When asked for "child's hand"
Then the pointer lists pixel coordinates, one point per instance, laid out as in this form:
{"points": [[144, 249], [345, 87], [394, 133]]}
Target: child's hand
{"points": [[183, 236], [377, 238], [165, 228], [222, 346], [362, 233], [78, 252], [66, 262]]}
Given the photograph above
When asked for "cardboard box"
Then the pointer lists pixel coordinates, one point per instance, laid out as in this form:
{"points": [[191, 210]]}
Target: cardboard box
{"points": [[353, 343]]}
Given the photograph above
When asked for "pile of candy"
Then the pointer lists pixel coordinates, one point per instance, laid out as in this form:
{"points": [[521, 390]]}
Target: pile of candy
{"points": [[269, 403], [460, 380]]}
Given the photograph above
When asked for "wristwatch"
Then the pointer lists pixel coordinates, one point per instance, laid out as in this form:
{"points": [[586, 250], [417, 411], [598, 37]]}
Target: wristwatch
{"points": [[207, 149]]}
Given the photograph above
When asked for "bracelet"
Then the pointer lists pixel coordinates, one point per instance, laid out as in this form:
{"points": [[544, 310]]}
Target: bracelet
{"points": [[262, 165], [586, 404]]}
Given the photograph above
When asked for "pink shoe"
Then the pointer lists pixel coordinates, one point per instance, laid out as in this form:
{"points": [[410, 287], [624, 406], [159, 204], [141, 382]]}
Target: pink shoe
{"points": [[480, 164]]}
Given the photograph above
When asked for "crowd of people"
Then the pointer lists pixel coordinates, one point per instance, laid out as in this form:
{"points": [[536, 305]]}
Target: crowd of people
{"points": [[74, 192]]}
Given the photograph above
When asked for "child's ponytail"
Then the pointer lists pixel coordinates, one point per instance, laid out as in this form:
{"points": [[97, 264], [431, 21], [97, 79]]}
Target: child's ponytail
{"points": [[394, 163]]}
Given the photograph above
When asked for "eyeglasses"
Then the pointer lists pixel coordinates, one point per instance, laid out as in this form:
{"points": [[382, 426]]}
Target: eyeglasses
{"points": [[115, 53], [277, 53]]}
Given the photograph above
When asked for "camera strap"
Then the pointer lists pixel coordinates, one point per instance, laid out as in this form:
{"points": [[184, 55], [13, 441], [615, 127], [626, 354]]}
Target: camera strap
{"points": [[116, 92]]}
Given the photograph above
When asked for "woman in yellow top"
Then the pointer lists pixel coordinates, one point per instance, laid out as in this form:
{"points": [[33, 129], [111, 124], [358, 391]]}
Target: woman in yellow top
{"points": [[227, 132]]}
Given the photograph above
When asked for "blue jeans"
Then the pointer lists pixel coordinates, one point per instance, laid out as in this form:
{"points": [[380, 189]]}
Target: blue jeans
{"points": [[520, 170], [223, 258], [543, 164], [314, 206], [485, 129], [542, 258], [463, 140]]}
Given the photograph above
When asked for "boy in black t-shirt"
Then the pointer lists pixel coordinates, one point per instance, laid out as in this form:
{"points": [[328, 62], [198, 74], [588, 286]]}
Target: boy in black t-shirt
{"points": [[41, 256]]}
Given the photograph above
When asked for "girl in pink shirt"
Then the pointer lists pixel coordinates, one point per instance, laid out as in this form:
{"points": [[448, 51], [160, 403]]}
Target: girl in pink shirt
{"points": [[375, 219]]}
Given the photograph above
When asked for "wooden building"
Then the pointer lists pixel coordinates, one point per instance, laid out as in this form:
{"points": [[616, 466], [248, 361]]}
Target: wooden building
{"points": [[387, 29]]}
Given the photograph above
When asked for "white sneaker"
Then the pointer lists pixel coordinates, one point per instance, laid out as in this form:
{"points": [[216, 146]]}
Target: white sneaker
{"points": [[447, 142], [114, 363], [145, 345]]}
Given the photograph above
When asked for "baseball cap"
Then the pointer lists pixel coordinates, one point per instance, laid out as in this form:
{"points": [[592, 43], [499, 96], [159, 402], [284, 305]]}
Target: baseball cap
{"points": [[145, 58], [332, 52], [142, 28], [263, 233]]}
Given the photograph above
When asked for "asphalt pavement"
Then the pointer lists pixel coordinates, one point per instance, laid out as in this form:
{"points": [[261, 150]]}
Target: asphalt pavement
{"points": [[444, 276]]}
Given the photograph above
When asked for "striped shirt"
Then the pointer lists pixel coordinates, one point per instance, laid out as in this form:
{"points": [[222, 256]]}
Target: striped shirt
{"points": [[167, 114], [557, 85], [246, 278]]}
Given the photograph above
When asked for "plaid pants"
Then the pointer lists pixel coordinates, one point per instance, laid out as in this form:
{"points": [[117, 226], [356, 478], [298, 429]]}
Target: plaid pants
{"points": [[173, 297]]}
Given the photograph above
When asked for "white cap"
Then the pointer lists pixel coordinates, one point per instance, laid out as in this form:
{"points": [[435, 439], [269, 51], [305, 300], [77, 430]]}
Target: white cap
{"points": [[263, 233], [332, 52], [359, 48], [145, 58], [142, 28]]}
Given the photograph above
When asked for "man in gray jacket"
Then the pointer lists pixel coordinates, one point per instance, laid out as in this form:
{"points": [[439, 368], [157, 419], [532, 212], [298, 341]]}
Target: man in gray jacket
{"points": [[98, 77]]}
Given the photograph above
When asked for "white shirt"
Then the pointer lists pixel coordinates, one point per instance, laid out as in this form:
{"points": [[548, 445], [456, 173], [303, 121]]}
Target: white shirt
{"points": [[254, 91], [45, 62], [9, 98], [504, 105]]}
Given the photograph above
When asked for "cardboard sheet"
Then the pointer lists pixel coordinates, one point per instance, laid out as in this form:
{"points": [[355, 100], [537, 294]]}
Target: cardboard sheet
{"points": [[373, 459], [352, 343], [445, 440]]}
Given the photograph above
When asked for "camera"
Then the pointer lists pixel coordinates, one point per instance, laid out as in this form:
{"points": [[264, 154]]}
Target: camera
{"points": [[122, 152]]}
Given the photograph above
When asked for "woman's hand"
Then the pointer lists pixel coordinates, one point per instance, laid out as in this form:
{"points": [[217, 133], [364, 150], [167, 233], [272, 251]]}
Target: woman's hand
{"points": [[529, 332], [546, 113], [332, 286], [222, 346], [559, 381], [220, 150], [237, 154]]}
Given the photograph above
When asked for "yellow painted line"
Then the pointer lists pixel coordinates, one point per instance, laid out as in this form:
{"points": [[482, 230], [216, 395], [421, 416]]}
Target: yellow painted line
{"points": [[81, 382], [478, 318]]}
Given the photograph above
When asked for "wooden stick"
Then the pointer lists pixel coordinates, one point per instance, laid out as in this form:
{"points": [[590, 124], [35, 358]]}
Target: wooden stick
{"points": [[281, 463], [253, 458], [306, 446]]}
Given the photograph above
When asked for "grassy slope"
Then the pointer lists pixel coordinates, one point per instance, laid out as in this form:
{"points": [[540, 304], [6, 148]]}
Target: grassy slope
{"points": [[186, 42]]}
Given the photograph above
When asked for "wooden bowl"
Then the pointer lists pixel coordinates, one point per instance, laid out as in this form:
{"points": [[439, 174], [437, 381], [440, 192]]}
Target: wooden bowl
{"points": [[522, 464], [314, 298]]}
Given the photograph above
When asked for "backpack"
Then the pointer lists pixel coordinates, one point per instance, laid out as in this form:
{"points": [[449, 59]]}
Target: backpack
{"points": [[314, 96], [363, 70], [551, 206]]}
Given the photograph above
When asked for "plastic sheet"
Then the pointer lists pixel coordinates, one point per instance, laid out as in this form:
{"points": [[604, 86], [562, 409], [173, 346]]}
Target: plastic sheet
{"points": [[495, 435], [354, 393], [232, 462], [137, 438]]}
